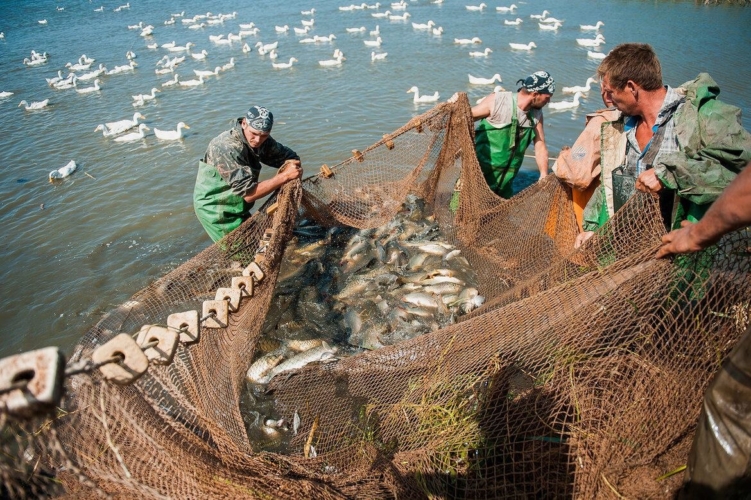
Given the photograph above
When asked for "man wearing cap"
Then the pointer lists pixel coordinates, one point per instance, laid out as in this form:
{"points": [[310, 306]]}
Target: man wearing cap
{"points": [[508, 124], [227, 184]]}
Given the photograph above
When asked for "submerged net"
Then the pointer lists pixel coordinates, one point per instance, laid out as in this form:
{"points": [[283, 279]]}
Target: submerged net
{"points": [[581, 376]]}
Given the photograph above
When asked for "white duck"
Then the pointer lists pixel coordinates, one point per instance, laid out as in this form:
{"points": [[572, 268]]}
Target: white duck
{"points": [[591, 27], [578, 88], [84, 59], [304, 30], [373, 43], [522, 46], [200, 56], [421, 26], [308, 12], [147, 31], [34, 105], [402, 17], [309, 22], [122, 69], [78, 66], [361, 29], [336, 61], [422, 98], [171, 135], [510, 9], [130, 55], [286, 65], [376, 31], [378, 57], [484, 53], [206, 73], [164, 71], [268, 46], [197, 26], [192, 83], [68, 83], [438, 31], [135, 136], [591, 42], [381, 15], [476, 7], [515, 22], [475, 80], [152, 46], [551, 20], [549, 27], [119, 126], [147, 97], [467, 41], [246, 48], [171, 83], [63, 172], [5, 94], [55, 79], [92, 74], [281, 29], [171, 44], [247, 26], [178, 48], [229, 65], [324, 38], [539, 16], [566, 104], [88, 90], [595, 55]]}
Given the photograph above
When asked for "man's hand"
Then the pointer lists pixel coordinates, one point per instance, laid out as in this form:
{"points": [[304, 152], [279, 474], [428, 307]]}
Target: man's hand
{"points": [[648, 182], [292, 169], [681, 240], [582, 237], [542, 176]]}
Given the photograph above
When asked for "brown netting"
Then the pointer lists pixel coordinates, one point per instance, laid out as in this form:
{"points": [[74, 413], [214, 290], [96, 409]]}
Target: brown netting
{"points": [[581, 376]]}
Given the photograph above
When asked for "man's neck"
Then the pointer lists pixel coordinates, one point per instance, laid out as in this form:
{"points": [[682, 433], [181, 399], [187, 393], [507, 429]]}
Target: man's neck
{"points": [[650, 105], [524, 101]]}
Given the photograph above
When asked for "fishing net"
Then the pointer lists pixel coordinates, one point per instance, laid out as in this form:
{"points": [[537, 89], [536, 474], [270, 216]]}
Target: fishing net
{"points": [[581, 376]]}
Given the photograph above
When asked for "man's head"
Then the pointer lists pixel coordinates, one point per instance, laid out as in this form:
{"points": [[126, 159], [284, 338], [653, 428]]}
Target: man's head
{"points": [[257, 125], [630, 68], [539, 87]]}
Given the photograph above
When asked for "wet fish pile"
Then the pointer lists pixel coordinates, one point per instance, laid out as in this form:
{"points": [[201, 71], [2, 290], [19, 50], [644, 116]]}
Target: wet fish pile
{"points": [[342, 290]]}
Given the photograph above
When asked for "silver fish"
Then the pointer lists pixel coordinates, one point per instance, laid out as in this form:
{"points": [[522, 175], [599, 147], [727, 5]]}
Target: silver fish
{"points": [[303, 345], [442, 288], [322, 352], [260, 368], [421, 300], [295, 422], [437, 280]]}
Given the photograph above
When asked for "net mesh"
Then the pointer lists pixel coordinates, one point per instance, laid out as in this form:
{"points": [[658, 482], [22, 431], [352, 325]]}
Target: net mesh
{"points": [[581, 376]]}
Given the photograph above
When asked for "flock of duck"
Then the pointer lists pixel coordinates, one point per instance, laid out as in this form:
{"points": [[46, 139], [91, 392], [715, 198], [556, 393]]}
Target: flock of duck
{"points": [[82, 71]]}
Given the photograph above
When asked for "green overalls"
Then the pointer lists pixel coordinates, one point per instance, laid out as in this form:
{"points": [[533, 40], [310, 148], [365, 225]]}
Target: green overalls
{"points": [[500, 151], [219, 210]]}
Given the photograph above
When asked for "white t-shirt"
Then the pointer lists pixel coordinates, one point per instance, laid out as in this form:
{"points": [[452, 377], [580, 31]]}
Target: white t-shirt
{"points": [[501, 113]]}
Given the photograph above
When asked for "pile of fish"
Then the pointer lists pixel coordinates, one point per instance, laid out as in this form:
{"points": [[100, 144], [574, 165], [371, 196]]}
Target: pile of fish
{"points": [[341, 290]]}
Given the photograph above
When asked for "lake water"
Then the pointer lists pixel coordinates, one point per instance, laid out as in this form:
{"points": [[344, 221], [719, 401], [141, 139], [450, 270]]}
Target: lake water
{"points": [[74, 249]]}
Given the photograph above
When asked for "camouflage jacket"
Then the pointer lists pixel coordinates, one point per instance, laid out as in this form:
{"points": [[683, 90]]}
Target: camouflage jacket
{"points": [[239, 164]]}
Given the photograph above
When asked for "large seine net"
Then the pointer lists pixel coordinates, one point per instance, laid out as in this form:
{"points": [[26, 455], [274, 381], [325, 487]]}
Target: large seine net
{"points": [[581, 376]]}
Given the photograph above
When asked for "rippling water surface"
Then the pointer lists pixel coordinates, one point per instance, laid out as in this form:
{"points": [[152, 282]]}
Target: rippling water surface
{"points": [[74, 249]]}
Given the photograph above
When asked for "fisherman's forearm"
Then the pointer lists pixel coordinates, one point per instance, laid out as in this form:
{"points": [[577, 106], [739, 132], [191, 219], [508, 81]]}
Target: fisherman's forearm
{"points": [[542, 157]]}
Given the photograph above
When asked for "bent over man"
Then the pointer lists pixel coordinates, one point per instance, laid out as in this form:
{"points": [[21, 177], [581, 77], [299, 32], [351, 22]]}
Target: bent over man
{"points": [[227, 183]]}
